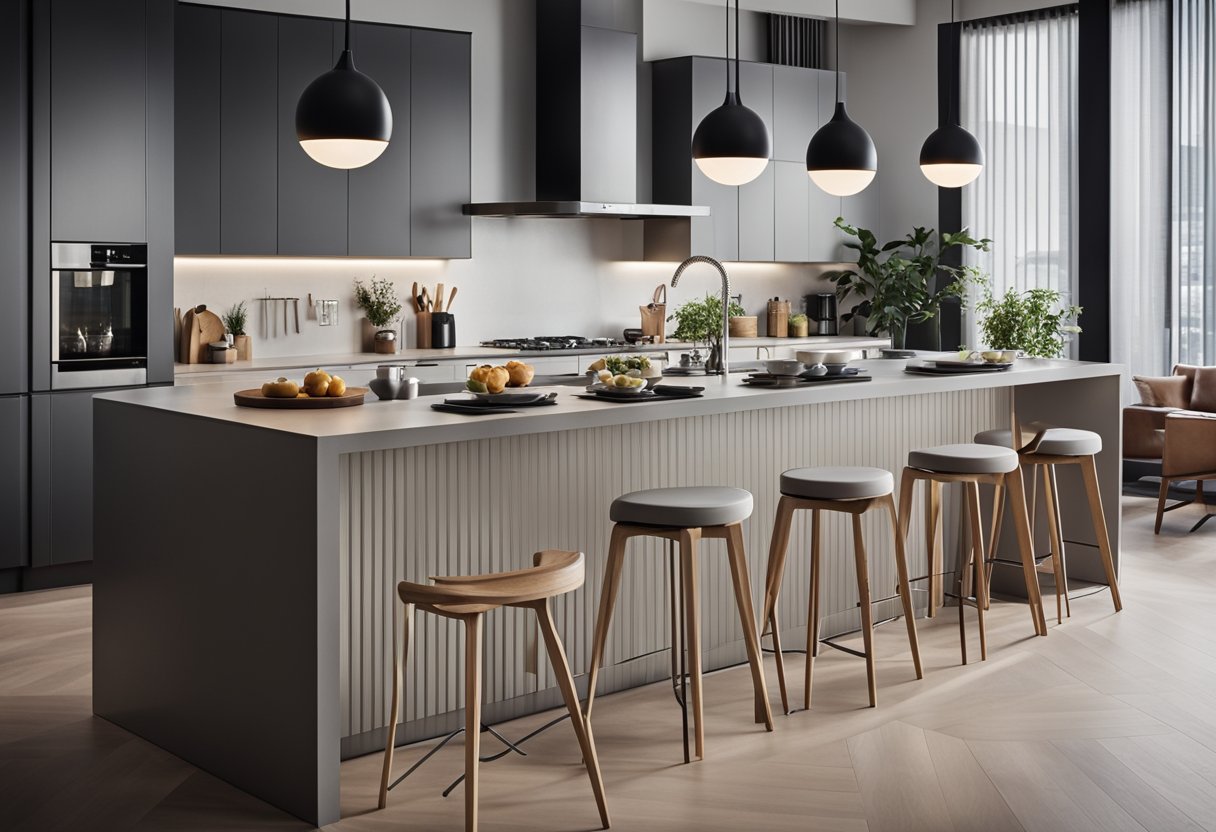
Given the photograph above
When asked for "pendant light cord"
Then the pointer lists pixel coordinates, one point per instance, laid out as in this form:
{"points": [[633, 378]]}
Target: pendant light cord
{"points": [[838, 50], [736, 46], [348, 25], [955, 82]]}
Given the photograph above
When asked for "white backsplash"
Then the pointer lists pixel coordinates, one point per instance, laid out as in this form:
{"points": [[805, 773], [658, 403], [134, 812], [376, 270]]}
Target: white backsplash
{"points": [[527, 277]]}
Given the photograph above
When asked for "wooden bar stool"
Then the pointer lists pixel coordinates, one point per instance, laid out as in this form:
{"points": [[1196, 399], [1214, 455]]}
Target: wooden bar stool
{"points": [[972, 465], [686, 516], [1049, 448], [851, 490], [468, 599]]}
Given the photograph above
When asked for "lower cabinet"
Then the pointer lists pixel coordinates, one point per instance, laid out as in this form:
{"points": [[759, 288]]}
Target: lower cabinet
{"points": [[61, 478], [14, 481]]}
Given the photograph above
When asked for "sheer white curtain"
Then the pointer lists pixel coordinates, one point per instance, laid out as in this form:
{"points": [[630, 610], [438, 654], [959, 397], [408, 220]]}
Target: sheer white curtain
{"points": [[1018, 84], [1140, 275], [1193, 299]]}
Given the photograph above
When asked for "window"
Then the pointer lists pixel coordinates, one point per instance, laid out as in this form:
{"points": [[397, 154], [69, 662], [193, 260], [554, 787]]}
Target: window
{"points": [[1018, 82]]}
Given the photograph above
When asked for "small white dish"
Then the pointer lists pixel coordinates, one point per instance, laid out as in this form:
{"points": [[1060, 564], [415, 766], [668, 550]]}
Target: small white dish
{"points": [[783, 367]]}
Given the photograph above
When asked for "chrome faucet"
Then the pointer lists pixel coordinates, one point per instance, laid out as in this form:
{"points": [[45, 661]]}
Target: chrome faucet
{"points": [[724, 342]]}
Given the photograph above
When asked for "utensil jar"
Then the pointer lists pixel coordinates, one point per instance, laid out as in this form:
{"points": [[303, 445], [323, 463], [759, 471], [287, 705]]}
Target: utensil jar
{"points": [[778, 318]]}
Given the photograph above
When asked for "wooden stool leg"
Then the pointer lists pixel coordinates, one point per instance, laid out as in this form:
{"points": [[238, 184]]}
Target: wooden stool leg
{"points": [[1017, 496], [737, 554], [812, 613], [905, 591], [778, 547], [1089, 470], [1057, 543], [978, 583], [689, 538], [401, 652], [582, 730], [998, 514], [472, 718], [608, 594], [933, 517], [867, 611], [1055, 496]]}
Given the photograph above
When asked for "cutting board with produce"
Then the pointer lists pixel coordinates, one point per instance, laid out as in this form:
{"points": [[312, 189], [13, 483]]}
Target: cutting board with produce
{"points": [[319, 391]]}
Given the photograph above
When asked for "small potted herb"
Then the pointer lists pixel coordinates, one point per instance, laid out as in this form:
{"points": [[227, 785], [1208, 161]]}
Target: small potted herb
{"points": [[382, 308], [700, 322], [1036, 323], [235, 321], [800, 326]]}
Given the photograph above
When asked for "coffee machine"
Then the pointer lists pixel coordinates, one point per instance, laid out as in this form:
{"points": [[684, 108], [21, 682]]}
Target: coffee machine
{"points": [[821, 310]]}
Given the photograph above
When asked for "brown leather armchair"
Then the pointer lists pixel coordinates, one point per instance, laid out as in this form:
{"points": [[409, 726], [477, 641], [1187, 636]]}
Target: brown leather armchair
{"points": [[1174, 428]]}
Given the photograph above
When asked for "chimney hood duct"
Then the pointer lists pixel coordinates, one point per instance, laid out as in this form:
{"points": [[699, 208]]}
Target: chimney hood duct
{"points": [[586, 120]]}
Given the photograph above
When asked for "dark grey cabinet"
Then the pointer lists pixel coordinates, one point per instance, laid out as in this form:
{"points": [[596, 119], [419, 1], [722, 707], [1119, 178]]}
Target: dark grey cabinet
{"points": [[249, 128], [311, 197], [792, 212], [14, 200], [795, 113], [719, 233], [61, 478], [14, 481], [197, 68], [97, 120], [378, 223], [440, 124]]}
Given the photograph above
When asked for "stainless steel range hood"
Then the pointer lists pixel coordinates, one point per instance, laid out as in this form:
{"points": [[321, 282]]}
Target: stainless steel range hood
{"points": [[586, 120]]}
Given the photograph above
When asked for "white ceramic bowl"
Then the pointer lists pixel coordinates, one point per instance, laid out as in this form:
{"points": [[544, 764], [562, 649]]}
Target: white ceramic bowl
{"points": [[783, 367]]}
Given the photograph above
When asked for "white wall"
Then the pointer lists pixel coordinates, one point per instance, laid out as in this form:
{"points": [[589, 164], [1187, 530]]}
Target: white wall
{"points": [[526, 277]]}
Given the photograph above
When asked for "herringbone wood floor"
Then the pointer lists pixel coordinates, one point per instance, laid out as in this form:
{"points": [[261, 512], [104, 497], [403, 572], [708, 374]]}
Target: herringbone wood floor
{"points": [[1107, 724]]}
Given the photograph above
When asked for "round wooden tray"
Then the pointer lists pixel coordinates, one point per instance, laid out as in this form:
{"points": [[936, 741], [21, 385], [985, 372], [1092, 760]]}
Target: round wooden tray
{"points": [[254, 398]]}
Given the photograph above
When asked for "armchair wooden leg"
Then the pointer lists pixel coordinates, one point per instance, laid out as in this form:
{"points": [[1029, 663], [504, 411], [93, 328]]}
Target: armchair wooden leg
{"points": [[608, 594], [472, 718], [1162, 495], [401, 652], [737, 555], [689, 538], [582, 730], [1089, 470], [905, 591]]}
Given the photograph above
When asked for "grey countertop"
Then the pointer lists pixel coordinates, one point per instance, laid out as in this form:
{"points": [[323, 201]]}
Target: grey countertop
{"points": [[392, 424]]}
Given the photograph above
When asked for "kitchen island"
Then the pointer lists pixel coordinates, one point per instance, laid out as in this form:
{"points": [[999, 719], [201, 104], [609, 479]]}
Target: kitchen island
{"points": [[244, 620]]}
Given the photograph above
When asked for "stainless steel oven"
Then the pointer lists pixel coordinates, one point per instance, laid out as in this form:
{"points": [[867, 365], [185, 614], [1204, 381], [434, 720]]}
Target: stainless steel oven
{"points": [[99, 315]]}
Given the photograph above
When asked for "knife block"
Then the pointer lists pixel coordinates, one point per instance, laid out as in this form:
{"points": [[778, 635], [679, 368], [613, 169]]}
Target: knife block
{"points": [[422, 330], [778, 319]]}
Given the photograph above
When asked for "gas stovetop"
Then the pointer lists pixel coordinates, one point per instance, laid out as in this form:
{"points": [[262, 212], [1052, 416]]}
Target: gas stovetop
{"points": [[553, 342]]}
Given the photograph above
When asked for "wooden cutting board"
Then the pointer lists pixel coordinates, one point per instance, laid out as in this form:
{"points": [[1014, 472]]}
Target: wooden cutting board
{"points": [[200, 327], [254, 398]]}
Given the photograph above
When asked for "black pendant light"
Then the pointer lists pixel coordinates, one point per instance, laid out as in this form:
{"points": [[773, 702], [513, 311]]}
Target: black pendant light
{"points": [[951, 157], [731, 145], [841, 158], [343, 119]]}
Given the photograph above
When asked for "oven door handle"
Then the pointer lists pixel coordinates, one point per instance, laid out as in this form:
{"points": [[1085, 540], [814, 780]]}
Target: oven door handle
{"points": [[55, 321]]}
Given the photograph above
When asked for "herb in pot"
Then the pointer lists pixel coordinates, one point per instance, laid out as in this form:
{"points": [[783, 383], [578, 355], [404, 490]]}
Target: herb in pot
{"points": [[379, 301], [700, 321], [1035, 322], [235, 319]]}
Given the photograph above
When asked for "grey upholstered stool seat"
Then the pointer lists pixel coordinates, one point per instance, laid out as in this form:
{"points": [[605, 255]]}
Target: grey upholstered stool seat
{"points": [[1055, 441], [965, 459], [691, 507], [837, 483]]}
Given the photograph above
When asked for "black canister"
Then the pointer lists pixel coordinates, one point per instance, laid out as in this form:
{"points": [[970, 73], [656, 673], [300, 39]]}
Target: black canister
{"points": [[443, 330]]}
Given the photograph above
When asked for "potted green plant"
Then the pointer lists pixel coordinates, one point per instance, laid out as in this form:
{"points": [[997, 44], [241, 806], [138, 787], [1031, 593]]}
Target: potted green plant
{"points": [[1036, 322], [700, 322], [800, 325], [904, 281], [381, 307], [235, 321]]}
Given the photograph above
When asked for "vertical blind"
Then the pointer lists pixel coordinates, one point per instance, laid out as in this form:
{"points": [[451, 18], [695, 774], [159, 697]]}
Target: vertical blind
{"points": [[1139, 186], [1193, 182], [1018, 83]]}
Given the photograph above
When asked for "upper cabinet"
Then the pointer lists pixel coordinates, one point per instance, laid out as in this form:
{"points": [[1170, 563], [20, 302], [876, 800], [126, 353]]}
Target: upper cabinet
{"points": [[781, 215], [239, 76], [98, 107]]}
